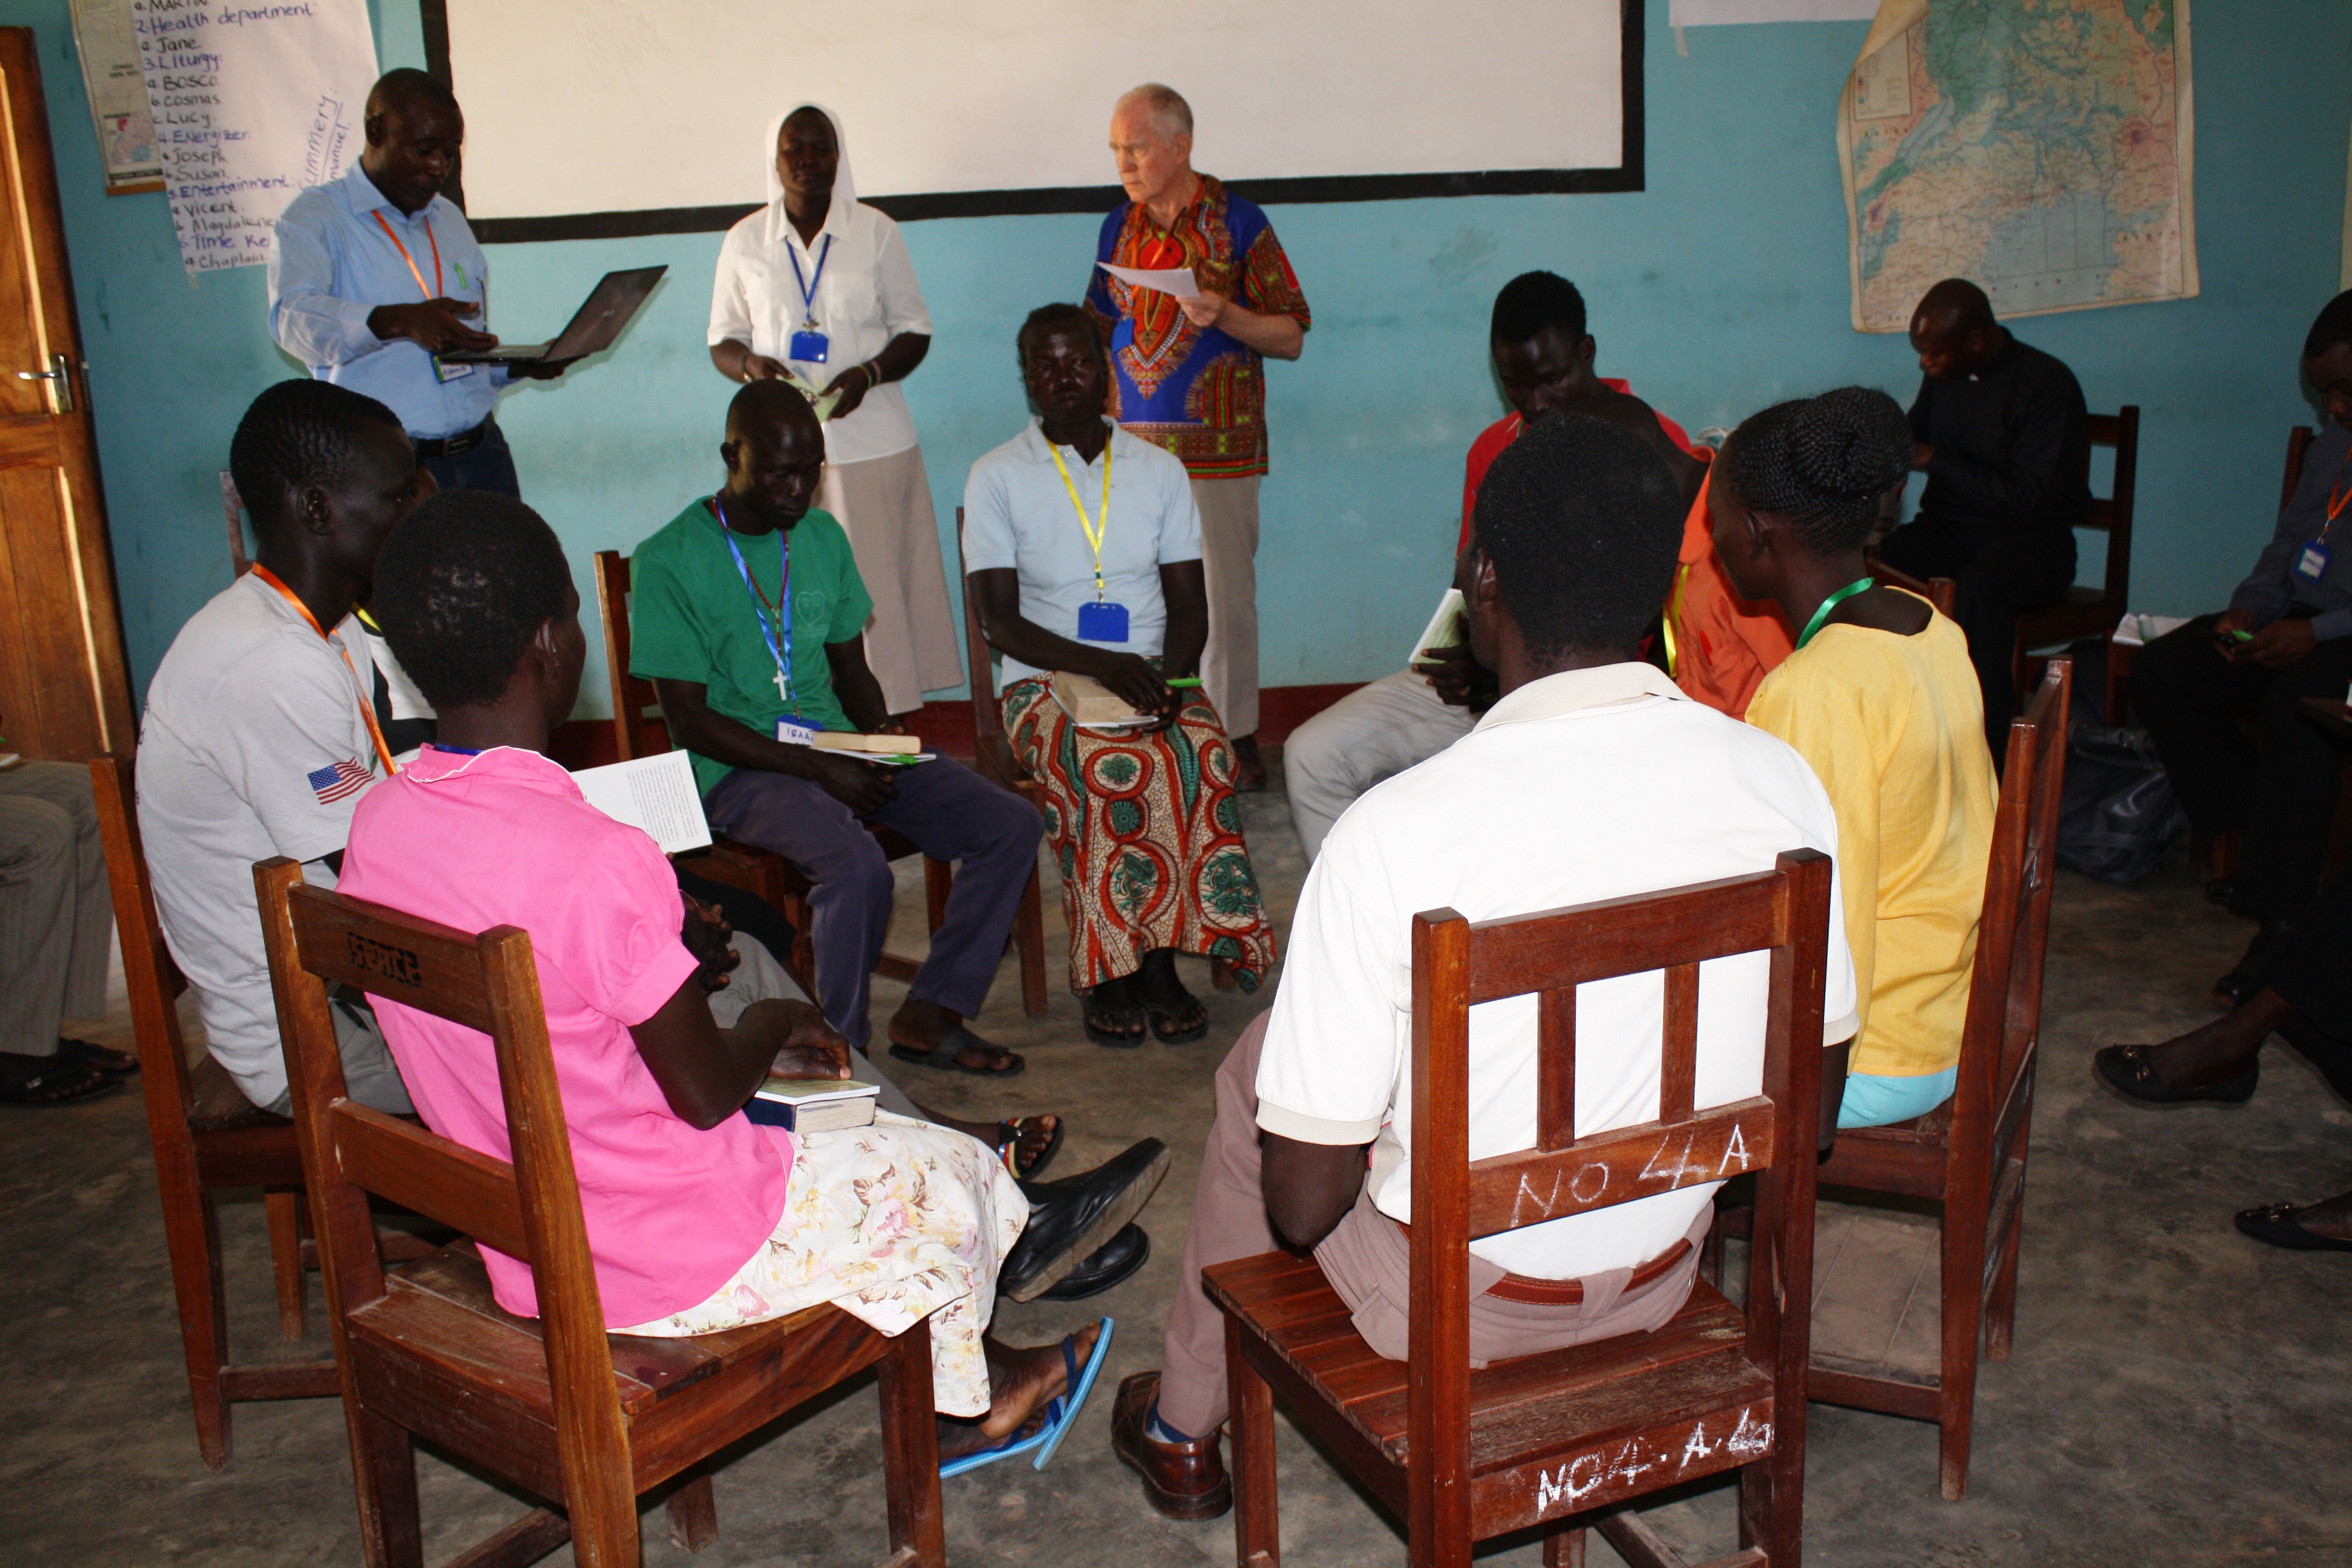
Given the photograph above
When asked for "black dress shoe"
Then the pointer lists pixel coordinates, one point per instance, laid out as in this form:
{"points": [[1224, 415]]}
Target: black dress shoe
{"points": [[1071, 1218], [1117, 1258], [2129, 1072], [2274, 1224]]}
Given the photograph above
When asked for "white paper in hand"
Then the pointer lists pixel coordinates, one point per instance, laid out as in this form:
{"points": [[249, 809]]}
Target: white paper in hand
{"points": [[1449, 627], [656, 794], [1176, 280]]}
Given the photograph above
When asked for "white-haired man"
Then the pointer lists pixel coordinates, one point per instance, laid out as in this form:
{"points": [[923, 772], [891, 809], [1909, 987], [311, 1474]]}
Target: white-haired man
{"points": [[1190, 372]]}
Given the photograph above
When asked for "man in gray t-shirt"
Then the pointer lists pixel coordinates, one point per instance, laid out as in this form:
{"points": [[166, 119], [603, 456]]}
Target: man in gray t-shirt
{"points": [[260, 736]]}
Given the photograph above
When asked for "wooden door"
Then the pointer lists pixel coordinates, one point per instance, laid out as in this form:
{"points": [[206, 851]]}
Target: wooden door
{"points": [[64, 694]]}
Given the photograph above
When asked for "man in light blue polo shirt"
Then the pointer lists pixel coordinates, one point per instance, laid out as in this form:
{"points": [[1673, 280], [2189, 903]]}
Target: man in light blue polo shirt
{"points": [[376, 275]]}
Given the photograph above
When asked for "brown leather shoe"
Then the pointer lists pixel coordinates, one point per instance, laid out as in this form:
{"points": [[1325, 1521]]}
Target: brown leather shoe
{"points": [[1182, 1480], [1249, 767]]}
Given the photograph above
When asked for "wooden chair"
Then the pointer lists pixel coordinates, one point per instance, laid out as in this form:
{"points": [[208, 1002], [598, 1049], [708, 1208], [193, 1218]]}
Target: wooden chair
{"points": [[1550, 1440], [1970, 1154], [639, 731], [585, 1419], [1940, 592], [207, 1135], [2088, 613]]}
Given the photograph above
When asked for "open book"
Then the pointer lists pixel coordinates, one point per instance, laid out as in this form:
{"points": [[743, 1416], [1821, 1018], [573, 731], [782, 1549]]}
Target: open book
{"points": [[656, 794], [1449, 627]]}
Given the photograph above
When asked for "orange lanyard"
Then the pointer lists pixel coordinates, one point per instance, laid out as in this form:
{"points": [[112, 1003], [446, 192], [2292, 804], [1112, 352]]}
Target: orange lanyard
{"points": [[2338, 498], [367, 708], [434, 292]]}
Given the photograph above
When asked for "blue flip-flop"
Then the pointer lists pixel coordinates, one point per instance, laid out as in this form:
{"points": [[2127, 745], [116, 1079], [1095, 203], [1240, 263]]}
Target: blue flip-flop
{"points": [[1082, 1384], [1059, 1412]]}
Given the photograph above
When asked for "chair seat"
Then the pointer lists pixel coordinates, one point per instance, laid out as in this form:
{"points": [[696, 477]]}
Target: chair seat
{"points": [[1906, 1157], [436, 1348], [1549, 1433]]}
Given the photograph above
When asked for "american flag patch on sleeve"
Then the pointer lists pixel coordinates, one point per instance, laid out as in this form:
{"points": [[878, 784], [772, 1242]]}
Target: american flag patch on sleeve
{"points": [[331, 783]]}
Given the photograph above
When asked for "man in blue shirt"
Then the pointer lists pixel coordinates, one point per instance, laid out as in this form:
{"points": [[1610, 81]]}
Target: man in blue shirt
{"points": [[376, 275], [2286, 636]]}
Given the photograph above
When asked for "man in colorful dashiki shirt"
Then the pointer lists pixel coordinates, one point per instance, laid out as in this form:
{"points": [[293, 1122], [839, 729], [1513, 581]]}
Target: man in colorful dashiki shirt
{"points": [[1190, 372]]}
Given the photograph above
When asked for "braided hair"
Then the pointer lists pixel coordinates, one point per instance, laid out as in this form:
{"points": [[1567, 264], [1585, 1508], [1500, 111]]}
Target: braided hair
{"points": [[2333, 327], [1822, 463], [298, 434], [461, 588]]}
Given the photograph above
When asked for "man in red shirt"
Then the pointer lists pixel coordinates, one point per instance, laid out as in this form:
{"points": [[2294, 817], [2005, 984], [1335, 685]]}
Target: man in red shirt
{"points": [[1543, 357]]}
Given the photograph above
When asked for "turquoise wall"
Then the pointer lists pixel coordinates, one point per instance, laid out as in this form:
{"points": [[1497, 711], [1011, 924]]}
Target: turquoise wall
{"points": [[1718, 290]]}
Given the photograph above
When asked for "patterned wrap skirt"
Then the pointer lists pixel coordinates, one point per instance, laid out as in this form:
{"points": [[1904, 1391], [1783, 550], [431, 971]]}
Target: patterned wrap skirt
{"points": [[1148, 837]]}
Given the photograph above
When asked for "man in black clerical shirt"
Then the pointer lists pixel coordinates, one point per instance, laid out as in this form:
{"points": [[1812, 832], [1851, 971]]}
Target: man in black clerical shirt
{"points": [[2003, 435]]}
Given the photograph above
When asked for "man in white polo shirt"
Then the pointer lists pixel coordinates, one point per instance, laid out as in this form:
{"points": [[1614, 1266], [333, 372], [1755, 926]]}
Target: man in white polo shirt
{"points": [[1592, 777], [260, 734]]}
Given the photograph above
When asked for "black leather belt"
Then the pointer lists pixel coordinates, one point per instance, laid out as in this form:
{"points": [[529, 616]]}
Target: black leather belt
{"points": [[451, 446]]}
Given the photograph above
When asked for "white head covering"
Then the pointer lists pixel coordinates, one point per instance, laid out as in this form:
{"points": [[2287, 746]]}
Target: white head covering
{"points": [[844, 188]]}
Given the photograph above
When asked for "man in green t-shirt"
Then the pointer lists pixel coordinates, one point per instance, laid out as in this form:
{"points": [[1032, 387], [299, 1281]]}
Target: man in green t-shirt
{"points": [[749, 610]]}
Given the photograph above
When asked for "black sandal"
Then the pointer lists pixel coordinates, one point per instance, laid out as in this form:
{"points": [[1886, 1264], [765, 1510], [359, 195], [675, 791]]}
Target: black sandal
{"points": [[1008, 1148], [98, 1059], [67, 1083], [958, 1040], [1167, 1021], [1100, 1018]]}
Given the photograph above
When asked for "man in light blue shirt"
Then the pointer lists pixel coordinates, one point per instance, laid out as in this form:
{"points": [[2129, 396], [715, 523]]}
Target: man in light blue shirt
{"points": [[376, 275]]}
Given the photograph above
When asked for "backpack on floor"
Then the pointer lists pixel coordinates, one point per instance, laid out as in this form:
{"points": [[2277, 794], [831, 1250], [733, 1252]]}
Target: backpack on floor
{"points": [[2118, 815]]}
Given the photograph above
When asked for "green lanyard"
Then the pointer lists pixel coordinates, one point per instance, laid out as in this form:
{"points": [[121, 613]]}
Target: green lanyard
{"points": [[1831, 603]]}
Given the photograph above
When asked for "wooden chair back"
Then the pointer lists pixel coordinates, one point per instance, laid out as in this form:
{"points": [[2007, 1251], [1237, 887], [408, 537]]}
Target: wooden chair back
{"points": [[2112, 513], [987, 718], [1941, 592], [148, 974], [2004, 1018], [528, 1209], [205, 1135], [1457, 964], [638, 727]]}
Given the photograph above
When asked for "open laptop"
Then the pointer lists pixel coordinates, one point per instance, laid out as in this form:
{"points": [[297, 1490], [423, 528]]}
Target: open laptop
{"points": [[594, 326]]}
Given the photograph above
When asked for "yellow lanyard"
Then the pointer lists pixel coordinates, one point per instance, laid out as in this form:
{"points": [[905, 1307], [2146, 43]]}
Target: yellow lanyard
{"points": [[1094, 530], [367, 708]]}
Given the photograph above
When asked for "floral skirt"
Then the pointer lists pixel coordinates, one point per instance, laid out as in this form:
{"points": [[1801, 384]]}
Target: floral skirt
{"points": [[893, 1223], [1148, 836]]}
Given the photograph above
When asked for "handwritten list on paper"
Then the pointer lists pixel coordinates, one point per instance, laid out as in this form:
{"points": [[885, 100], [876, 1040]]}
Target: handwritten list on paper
{"points": [[251, 103]]}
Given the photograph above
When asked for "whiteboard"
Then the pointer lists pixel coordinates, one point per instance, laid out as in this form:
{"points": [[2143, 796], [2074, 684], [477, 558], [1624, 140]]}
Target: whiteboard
{"points": [[606, 106]]}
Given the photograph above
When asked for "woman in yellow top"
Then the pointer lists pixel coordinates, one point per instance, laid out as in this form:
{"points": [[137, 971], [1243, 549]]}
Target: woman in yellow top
{"points": [[1880, 698]]}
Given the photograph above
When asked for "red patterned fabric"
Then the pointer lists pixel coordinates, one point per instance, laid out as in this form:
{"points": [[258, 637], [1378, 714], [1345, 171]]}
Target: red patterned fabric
{"points": [[1148, 838], [1201, 395]]}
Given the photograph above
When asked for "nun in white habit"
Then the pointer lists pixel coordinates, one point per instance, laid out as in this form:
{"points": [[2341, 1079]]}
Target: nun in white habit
{"points": [[818, 285]]}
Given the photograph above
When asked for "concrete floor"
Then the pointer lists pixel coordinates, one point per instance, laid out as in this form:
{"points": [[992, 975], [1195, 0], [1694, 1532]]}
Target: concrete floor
{"points": [[2178, 1393]]}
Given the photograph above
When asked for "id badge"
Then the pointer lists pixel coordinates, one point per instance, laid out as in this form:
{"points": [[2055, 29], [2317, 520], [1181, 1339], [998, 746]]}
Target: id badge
{"points": [[793, 732], [808, 347], [1102, 622], [2311, 565], [442, 371]]}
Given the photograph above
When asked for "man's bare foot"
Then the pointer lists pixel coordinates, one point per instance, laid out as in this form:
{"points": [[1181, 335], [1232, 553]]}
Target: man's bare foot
{"points": [[1176, 1015], [2218, 1051], [1020, 1382]]}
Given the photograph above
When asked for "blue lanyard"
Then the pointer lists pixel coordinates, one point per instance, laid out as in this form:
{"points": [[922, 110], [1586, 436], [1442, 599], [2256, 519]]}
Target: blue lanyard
{"points": [[778, 640], [809, 286]]}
